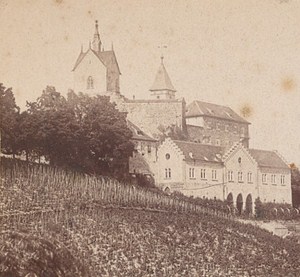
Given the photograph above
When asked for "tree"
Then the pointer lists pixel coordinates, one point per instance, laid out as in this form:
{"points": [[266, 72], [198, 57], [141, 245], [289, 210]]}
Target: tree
{"points": [[174, 132], [259, 211], [295, 180], [81, 132], [107, 136], [9, 116]]}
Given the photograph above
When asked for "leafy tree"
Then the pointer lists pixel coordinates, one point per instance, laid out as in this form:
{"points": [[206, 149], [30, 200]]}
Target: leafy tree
{"points": [[81, 132], [295, 180], [174, 132], [9, 116], [259, 211]]}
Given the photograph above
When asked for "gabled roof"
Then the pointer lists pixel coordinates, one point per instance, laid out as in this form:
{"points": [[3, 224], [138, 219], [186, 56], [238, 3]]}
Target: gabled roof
{"points": [[162, 80], [108, 58], [196, 151], [199, 108], [266, 158], [138, 134]]}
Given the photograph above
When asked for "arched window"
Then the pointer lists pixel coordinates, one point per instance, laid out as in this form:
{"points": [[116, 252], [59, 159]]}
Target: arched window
{"points": [[90, 82]]}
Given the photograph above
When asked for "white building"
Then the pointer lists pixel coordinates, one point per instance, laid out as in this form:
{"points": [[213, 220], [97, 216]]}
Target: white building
{"points": [[239, 175]]}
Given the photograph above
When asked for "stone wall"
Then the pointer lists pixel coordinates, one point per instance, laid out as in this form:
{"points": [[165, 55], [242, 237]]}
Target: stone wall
{"points": [[149, 115]]}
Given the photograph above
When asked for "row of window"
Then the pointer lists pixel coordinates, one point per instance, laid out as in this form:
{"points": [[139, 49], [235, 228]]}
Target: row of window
{"points": [[249, 178], [203, 174], [221, 126], [273, 179], [230, 174], [240, 177]]}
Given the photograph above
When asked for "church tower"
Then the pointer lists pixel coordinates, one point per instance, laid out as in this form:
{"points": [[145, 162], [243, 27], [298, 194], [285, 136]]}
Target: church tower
{"points": [[96, 72], [162, 87]]}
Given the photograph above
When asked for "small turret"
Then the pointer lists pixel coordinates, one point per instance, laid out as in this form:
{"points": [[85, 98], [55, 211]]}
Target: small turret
{"points": [[96, 44], [162, 87]]}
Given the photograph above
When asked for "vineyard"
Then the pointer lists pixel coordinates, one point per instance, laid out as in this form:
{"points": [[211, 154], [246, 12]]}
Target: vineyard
{"points": [[61, 223]]}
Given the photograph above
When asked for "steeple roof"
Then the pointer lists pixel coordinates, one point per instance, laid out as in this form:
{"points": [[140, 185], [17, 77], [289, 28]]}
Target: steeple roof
{"points": [[162, 80]]}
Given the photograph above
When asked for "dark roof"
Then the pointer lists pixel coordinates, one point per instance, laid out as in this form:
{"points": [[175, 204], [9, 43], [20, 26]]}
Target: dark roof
{"points": [[162, 80], [199, 108], [202, 152], [266, 158], [138, 134], [108, 58]]}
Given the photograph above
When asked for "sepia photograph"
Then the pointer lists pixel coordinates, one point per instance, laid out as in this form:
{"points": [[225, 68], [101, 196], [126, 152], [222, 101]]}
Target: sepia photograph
{"points": [[149, 138]]}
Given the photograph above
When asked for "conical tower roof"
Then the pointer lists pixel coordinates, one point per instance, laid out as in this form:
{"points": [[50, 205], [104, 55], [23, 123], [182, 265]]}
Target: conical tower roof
{"points": [[162, 80]]}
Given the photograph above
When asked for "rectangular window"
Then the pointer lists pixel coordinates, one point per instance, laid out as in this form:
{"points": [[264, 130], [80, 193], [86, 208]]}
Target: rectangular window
{"points": [[192, 173], [214, 175], [230, 176], [282, 180], [273, 179], [264, 178], [218, 142], [168, 173], [149, 149], [240, 177], [203, 174], [249, 177]]}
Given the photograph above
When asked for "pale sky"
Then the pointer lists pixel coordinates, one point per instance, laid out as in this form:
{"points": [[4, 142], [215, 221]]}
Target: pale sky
{"points": [[230, 52]]}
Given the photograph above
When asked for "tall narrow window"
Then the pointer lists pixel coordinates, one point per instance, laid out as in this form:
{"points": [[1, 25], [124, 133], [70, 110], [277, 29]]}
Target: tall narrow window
{"points": [[273, 179], [249, 177], [264, 178], [240, 176], [192, 173], [90, 82], [214, 174], [230, 176], [282, 180], [203, 174], [167, 173]]}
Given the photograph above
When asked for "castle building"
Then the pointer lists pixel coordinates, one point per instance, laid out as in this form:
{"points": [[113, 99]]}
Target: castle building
{"points": [[214, 161]]}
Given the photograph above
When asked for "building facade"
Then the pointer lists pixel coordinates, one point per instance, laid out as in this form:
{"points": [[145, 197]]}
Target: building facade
{"points": [[238, 175]]}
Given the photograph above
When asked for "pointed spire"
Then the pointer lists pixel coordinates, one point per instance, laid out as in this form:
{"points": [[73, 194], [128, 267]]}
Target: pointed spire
{"points": [[90, 46], [112, 46], [162, 59], [162, 80], [96, 40], [81, 51], [96, 29]]}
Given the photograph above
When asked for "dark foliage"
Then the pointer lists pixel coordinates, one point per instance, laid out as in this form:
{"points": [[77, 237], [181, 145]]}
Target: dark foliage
{"points": [[84, 133]]}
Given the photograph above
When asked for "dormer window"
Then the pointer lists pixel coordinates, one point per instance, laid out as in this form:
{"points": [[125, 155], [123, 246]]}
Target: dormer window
{"points": [[90, 82]]}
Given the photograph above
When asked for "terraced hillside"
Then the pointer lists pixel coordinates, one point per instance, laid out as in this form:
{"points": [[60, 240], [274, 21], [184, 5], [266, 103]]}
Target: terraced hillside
{"points": [[86, 238]]}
